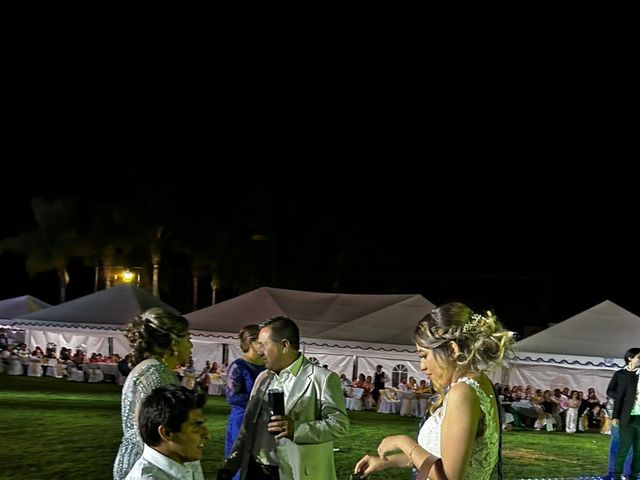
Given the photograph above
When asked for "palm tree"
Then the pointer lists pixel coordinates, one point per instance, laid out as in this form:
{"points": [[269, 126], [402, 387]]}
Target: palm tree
{"points": [[54, 244]]}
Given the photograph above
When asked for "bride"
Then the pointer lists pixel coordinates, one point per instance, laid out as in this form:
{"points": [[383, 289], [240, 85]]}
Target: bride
{"points": [[460, 440]]}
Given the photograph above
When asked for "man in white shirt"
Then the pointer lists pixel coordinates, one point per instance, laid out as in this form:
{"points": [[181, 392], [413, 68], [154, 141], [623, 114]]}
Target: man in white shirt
{"points": [[173, 429]]}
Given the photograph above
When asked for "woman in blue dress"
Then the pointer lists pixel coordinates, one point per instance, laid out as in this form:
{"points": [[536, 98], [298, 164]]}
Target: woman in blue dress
{"points": [[241, 375]]}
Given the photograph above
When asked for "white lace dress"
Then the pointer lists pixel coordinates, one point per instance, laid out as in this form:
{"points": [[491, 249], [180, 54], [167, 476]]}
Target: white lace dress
{"points": [[484, 455]]}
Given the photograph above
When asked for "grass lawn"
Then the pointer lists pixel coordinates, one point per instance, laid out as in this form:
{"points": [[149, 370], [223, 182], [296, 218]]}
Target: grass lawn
{"points": [[54, 429]]}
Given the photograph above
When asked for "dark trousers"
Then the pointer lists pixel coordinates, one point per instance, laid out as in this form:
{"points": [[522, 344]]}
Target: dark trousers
{"points": [[256, 471], [629, 438]]}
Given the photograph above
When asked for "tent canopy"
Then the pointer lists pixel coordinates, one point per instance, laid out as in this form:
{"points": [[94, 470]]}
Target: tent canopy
{"points": [[379, 319], [17, 306], [580, 352], [602, 332], [111, 308]]}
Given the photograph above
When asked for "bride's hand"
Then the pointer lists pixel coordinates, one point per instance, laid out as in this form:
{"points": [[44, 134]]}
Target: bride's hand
{"points": [[392, 444], [368, 465]]}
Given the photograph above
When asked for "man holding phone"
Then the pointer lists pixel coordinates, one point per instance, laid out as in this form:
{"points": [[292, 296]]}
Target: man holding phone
{"points": [[298, 444]]}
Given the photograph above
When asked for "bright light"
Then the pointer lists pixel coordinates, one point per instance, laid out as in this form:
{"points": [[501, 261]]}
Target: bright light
{"points": [[127, 276]]}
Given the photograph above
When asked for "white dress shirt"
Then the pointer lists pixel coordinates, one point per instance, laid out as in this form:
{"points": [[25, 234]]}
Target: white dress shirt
{"points": [[153, 465]]}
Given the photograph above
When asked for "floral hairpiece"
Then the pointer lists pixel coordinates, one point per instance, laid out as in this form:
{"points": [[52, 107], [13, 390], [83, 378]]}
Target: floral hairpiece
{"points": [[477, 322]]}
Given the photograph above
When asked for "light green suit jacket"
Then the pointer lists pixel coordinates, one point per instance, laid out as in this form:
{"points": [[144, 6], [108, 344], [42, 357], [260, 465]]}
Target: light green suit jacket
{"points": [[316, 406]]}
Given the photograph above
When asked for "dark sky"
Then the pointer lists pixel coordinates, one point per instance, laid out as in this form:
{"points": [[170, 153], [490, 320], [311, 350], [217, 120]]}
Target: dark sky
{"points": [[476, 159]]}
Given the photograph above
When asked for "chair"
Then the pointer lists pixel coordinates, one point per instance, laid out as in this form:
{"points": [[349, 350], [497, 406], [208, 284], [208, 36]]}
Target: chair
{"points": [[61, 370], [216, 385], [407, 403], [420, 407], [354, 400], [189, 380], [52, 371], [35, 367], [73, 373], [15, 366], [95, 374], [389, 402]]}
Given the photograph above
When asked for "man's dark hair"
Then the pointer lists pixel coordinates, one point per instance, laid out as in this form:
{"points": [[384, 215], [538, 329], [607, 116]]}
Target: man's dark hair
{"points": [[283, 328], [167, 405], [632, 352]]}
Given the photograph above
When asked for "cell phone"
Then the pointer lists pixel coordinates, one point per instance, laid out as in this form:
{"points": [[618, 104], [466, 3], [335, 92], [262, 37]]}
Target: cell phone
{"points": [[357, 476]]}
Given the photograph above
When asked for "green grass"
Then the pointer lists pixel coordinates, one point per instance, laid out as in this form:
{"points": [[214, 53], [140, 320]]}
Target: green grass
{"points": [[54, 429]]}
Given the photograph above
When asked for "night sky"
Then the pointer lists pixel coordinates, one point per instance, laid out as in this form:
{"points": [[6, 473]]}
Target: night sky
{"points": [[482, 160]]}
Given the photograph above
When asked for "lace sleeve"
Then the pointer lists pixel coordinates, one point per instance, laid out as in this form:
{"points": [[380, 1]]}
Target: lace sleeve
{"points": [[237, 393]]}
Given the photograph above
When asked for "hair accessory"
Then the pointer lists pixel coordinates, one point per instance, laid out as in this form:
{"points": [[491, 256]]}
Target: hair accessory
{"points": [[478, 322]]}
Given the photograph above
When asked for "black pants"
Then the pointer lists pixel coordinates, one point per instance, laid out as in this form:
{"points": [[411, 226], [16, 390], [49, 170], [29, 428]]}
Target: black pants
{"points": [[629, 437], [256, 471]]}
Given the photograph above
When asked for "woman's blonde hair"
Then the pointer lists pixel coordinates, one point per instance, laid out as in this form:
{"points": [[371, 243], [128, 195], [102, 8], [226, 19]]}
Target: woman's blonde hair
{"points": [[481, 340], [152, 332]]}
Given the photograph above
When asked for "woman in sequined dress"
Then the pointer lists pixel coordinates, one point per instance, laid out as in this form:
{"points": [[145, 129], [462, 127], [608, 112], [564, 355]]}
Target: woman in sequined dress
{"points": [[160, 342]]}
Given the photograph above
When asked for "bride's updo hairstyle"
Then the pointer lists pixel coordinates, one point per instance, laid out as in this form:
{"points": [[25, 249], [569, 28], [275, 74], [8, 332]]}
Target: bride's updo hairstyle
{"points": [[151, 333], [482, 341]]}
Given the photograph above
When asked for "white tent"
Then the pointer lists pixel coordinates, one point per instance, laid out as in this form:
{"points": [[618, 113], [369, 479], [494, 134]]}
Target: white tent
{"points": [[580, 352], [14, 307], [336, 329], [97, 320]]}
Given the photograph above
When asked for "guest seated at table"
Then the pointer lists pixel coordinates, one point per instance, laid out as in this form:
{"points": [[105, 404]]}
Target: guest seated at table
{"points": [[592, 400], [65, 354], [424, 388], [345, 381], [222, 369], [594, 419], [360, 381], [412, 384], [402, 386], [203, 381], [506, 394], [78, 357], [123, 365], [37, 352], [207, 367]]}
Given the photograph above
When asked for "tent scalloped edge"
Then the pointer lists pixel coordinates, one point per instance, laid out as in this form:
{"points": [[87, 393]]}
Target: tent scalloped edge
{"points": [[567, 362], [64, 325], [314, 344]]}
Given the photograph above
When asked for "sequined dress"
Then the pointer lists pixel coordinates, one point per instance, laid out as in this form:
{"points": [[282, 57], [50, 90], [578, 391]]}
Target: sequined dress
{"points": [[484, 455], [144, 377]]}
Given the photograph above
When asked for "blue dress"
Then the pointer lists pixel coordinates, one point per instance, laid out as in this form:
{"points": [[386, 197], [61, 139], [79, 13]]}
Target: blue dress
{"points": [[240, 378]]}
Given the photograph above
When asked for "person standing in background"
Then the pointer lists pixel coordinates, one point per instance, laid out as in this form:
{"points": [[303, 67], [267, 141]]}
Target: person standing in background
{"points": [[631, 364], [241, 376], [379, 380], [159, 342]]}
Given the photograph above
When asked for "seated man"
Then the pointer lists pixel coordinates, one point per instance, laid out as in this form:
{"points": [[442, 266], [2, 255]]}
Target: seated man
{"points": [[173, 429]]}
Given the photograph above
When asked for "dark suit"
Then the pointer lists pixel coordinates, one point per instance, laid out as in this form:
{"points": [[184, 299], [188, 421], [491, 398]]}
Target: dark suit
{"points": [[625, 398], [615, 430]]}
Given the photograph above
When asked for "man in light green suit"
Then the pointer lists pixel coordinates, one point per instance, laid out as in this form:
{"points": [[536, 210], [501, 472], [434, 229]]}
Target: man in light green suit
{"points": [[299, 444]]}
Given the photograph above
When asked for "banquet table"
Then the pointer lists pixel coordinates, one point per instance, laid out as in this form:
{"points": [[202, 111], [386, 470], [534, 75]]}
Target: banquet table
{"points": [[218, 384]]}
